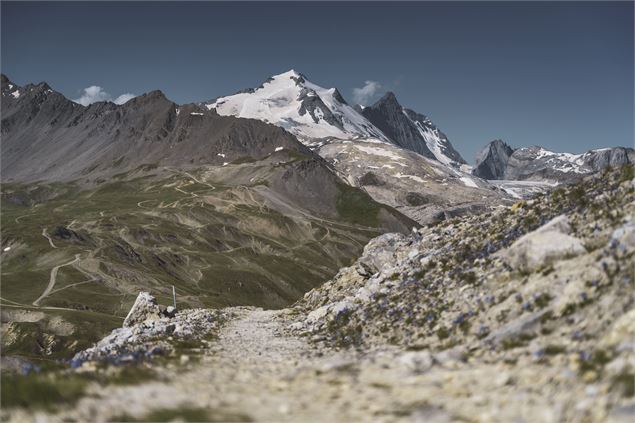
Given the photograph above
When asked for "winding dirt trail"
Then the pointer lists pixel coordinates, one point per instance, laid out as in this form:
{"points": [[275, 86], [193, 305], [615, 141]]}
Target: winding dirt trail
{"points": [[53, 279], [48, 237]]}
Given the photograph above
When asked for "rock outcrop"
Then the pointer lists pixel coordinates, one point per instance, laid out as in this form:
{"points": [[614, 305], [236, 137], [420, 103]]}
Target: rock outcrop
{"points": [[144, 308], [525, 294], [411, 130], [146, 329], [543, 247]]}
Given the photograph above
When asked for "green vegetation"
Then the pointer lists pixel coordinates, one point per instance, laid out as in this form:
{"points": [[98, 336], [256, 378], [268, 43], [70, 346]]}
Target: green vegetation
{"points": [[624, 383], [188, 414], [356, 207], [627, 173], [219, 245], [41, 391]]}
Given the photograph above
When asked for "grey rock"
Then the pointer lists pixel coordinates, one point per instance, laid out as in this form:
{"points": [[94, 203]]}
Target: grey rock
{"points": [[497, 161], [557, 224], [378, 252], [144, 308], [539, 249], [417, 361]]}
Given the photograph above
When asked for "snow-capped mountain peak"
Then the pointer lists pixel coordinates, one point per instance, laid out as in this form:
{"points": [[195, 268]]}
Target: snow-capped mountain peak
{"points": [[313, 113]]}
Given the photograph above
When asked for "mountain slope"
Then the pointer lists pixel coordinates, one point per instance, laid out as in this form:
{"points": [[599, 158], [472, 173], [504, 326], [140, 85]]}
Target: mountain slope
{"points": [[411, 130], [46, 136]]}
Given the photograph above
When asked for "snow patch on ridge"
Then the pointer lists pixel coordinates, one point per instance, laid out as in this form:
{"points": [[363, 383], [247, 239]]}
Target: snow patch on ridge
{"points": [[468, 182]]}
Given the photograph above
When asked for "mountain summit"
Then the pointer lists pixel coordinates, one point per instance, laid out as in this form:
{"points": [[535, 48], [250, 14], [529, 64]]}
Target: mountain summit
{"points": [[319, 115], [310, 112]]}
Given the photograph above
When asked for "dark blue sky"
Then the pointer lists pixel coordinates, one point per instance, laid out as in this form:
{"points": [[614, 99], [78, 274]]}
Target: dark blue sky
{"points": [[554, 74]]}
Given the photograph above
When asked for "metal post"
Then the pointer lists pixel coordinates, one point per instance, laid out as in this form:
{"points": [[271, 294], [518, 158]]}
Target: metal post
{"points": [[174, 296]]}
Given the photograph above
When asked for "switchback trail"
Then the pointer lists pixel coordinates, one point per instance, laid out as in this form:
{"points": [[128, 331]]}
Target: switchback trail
{"points": [[52, 280]]}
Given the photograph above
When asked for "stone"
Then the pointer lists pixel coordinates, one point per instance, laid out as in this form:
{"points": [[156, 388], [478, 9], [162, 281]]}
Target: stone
{"points": [[539, 249], [557, 224], [170, 311], [144, 308], [625, 235], [378, 252], [417, 361]]}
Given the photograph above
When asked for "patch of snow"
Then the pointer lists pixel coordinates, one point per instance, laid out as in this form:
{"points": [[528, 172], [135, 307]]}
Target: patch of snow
{"points": [[196, 114], [225, 163], [379, 152], [468, 182], [16, 94], [279, 149], [221, 155], [433, 140], [522, 189], [466, 168], [413, 177], [6, 248]]}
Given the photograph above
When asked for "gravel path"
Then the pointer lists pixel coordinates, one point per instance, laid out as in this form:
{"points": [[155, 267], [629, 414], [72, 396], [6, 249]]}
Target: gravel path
{"points": [[253, 372]]}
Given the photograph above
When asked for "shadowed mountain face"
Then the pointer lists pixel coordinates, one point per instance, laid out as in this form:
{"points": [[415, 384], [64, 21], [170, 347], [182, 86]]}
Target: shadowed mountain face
{"points": [[411, 130], [103, 201], [492, 160]]}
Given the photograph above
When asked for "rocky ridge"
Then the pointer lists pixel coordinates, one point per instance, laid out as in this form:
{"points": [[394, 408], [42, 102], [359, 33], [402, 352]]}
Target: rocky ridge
{"points": [[545, 286]]}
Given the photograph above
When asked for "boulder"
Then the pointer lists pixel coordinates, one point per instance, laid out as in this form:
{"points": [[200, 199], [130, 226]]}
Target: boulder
{"points": [[543, 246], [144, 308], [379, 253], [557, 224]]}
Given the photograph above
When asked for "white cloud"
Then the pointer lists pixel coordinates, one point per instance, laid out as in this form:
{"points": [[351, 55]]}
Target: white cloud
{"points": [[367, 92], [95, 93], [123, 98]]}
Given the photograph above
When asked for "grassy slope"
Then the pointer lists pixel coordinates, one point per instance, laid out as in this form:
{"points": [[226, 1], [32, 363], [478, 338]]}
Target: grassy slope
{"points": [[218, 244]]}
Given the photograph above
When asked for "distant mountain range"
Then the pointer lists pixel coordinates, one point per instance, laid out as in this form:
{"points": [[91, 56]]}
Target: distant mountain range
{"points": [[498, 161], [395, 154]]}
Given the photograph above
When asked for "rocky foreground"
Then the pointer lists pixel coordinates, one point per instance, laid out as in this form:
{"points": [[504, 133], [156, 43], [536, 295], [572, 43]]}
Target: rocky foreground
{"points": [[519, 314]]}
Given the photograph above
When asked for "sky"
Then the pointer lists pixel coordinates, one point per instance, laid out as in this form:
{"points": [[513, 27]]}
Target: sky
{"points": [[556, 74]]}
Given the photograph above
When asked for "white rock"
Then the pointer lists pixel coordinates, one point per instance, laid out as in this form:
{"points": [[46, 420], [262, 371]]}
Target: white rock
{"points": [[557, 224], [541, 248], [417, 361], [144, 308]]}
